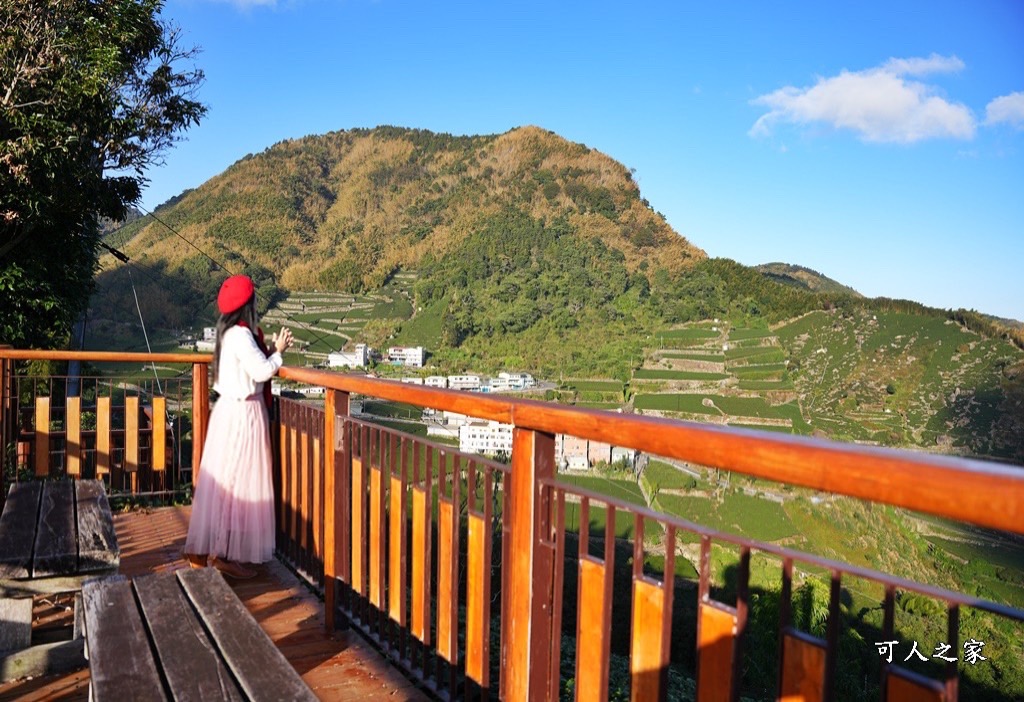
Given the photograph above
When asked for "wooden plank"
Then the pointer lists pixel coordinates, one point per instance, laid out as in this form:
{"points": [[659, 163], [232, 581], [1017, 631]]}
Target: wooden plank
{"points": [[396, 534], [419, 564], [445, 586], [15, 624], [56, 548], [647, 641], [131, 433], [292, 478], [715, 644], [42, 429], [18, 527], [159, 455], [334, 402], [103, 436], [305, 491], [903, 685], [375, 542], [803, 667], [318, 501], [592, 646], [283, 500], [526, 638], [358, 499], [48, 659], [73, 437], [188, 658], [120, 659], [200, 415], [97, 540], [476, 656], [261, 669]]}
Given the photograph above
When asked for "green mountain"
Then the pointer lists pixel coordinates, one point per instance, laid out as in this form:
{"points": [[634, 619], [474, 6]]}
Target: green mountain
{"points": [[526, 251]]}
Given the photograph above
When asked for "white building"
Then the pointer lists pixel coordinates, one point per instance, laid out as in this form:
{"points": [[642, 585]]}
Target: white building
{"points": [[209, 333], [351, 359], [436, 381], [442, 431], [454, 419], [406, 355], [464, 382], [574, 453], [412, 380], [485, 437], [517, 381], [308, 390], [498, 384]]}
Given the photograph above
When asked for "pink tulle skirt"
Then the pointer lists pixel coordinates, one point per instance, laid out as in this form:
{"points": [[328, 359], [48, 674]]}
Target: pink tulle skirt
{"points": [[233, 505]]}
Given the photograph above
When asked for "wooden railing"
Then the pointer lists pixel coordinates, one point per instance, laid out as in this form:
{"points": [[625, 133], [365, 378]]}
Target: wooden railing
{"points": [[471, 575], [380, 555], [141, 435]]}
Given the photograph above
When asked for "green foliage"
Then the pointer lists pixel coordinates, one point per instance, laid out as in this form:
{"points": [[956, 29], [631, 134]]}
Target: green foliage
{"points": [[89, 99], [602, 386], [668, 477], [516, 278], [346, 275], [650, 374], [750, 516]]}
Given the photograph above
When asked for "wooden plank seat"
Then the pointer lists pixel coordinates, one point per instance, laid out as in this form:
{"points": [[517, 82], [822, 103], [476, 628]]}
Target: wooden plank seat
{"points": [[53, 535], [181, 635]]}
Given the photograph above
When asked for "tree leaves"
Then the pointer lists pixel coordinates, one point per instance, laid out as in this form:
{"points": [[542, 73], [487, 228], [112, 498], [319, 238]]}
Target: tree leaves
{"points": [[85, 88]]}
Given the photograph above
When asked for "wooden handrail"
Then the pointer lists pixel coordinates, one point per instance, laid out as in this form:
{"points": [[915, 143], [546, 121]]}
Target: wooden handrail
{"points": [[980, 492], [200, 385], [104, 356]]}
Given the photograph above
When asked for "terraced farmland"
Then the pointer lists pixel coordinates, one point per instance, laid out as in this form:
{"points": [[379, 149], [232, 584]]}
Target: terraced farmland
{"points": [[729, 375], [326, 322], [902, 379], [891, 378]]}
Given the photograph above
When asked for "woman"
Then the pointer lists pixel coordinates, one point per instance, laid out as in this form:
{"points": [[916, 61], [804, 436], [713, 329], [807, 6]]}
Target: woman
{"points": [[232, 521]]}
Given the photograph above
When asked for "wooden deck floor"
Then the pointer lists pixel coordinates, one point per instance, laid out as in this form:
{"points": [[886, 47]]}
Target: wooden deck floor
{"points": [[339, 667]]}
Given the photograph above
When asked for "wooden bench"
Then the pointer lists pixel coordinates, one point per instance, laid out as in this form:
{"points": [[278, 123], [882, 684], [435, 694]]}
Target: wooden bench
{"points": [[180, 635], [53, 535]]}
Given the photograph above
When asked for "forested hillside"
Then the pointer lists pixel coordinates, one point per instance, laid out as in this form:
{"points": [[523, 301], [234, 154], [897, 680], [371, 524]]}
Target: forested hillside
{"points": [[347, 209], [525, 251]]}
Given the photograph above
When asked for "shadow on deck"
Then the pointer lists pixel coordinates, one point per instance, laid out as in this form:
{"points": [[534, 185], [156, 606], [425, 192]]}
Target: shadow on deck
{"points": [[337, 667]]}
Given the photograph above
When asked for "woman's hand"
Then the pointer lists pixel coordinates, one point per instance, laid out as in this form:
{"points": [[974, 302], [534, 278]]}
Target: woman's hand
{"points": [[283, 340]]}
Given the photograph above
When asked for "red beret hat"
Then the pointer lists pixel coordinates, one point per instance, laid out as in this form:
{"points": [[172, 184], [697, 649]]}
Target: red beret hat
{"points": [[234, 293]]}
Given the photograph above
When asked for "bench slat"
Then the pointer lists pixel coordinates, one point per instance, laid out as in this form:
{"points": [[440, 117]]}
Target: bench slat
{"points": [[176, 628], [56, 550], [18, 525], [97, 542], [263, 671], [121, 664]]}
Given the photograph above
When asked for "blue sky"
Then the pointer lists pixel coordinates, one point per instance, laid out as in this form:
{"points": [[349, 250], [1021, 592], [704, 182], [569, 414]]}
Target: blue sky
{"points": [[879, 143]]}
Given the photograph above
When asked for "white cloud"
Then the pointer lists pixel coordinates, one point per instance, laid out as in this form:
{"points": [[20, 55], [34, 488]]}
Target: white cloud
{"points": [[923, 66], [1008, 108], [879, 104]]}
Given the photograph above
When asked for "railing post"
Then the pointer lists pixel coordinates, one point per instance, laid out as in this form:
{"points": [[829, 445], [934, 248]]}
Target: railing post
{"points": [[336, 405], [200, 415], [527, 631], [7, 424]]}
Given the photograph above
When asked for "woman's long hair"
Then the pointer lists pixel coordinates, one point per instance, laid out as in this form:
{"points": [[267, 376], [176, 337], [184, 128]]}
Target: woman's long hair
{"points": [[247, 314]]}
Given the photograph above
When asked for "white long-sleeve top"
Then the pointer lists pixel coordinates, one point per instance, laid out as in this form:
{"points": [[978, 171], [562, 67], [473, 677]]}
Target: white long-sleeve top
{"points": [[243, 367]]}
